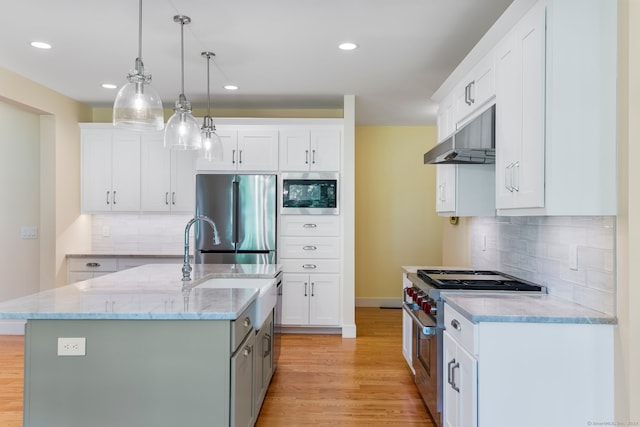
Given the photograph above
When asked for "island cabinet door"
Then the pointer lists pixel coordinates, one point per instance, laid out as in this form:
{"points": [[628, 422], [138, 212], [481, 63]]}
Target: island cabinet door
{"points": [[242, 400]]}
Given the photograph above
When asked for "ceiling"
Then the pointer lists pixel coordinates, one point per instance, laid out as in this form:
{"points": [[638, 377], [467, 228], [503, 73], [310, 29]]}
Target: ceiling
{"points": [[281, 53]]}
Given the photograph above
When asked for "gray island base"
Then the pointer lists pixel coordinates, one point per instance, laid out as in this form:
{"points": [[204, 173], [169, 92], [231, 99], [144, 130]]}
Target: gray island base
{"points": [[152, 365]]}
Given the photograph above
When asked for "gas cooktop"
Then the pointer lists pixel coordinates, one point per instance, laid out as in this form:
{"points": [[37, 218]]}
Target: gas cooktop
{"points": [[477, 280]]}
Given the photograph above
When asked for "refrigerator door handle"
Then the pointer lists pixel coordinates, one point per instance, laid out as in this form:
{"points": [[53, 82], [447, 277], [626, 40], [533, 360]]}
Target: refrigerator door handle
{"points": [[236, 206]]}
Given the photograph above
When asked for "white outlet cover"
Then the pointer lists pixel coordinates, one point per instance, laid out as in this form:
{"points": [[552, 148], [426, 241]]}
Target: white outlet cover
{"points": [[75, 346]]}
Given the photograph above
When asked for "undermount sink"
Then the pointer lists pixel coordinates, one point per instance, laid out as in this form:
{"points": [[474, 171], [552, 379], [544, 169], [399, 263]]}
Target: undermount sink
{"points": [[266, 299]]}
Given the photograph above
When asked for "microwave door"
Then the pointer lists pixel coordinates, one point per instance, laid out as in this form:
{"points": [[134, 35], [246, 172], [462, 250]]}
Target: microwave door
{"points": [[255, 224]]}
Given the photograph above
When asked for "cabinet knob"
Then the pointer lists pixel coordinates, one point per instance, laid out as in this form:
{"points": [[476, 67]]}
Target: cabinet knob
{"points": [[456, 325], [247, 351], [247, 322]]}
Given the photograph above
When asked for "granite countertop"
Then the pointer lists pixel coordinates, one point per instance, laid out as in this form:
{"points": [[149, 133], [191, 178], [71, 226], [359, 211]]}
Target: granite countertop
{"points": [[153, 291], [523, 308]]}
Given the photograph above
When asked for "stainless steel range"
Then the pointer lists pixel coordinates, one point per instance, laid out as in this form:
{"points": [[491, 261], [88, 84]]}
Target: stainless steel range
{"points": [[423, 303]]}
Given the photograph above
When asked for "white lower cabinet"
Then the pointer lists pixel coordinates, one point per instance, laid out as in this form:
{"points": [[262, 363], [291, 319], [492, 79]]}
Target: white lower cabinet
{"points": [[505, 374], [310, 299], [461, 387]]}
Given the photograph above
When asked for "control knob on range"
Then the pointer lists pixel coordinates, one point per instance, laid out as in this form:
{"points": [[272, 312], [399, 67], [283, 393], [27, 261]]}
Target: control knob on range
{"points": [[409, 291]]}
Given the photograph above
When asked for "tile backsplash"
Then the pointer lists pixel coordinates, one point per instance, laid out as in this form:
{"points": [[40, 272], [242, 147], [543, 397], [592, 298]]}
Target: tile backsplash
{"points": [[574, 257], [144, 234]]}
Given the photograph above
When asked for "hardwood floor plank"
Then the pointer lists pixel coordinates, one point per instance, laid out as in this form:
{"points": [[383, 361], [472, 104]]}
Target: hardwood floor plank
{"points": [[322, 380]]}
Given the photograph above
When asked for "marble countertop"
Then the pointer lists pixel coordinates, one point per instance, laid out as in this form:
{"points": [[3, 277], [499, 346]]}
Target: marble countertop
{"points": [[523, 308], [125, 255], [152, 291], [481, 306]]}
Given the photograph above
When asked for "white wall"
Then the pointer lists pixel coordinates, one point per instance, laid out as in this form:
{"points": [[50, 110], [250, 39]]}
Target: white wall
{"points": [[20, 201]]}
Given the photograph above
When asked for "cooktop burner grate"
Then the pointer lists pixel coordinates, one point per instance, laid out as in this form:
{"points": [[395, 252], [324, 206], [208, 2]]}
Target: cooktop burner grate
{"points": [[477, 280]]}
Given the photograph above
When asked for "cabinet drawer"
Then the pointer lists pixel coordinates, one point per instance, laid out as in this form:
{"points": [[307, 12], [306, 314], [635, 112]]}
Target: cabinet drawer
{"points": [[92, 264], [310, 225], [126, 263], [461, 329], [241, 327], [310, 266], [308, 247]]}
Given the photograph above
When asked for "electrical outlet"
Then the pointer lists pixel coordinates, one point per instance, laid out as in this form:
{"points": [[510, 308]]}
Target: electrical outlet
{"points": [[72, 346]]}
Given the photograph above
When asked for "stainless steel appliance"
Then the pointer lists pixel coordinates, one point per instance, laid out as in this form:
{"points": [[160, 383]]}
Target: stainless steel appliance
{"points": [[244, 209], [423, 302], [475, 142], [310, 193]]}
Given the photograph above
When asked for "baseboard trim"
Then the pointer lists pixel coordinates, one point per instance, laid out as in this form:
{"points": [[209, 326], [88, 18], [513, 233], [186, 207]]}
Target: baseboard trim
{"points": [[310, 330], [12, 327], [379, 302]]}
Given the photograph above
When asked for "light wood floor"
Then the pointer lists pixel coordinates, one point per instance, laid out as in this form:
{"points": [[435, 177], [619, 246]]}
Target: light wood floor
{"points": [[322, 380]]}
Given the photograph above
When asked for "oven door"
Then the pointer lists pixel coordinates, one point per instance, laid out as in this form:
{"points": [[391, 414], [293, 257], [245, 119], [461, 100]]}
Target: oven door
{"points": [[425, 358]]}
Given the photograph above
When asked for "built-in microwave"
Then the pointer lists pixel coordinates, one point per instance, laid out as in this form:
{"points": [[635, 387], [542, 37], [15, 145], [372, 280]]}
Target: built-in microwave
{"points": [[309, 193]]}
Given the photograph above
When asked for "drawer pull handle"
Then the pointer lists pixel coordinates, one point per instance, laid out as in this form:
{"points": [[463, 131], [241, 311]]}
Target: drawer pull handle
{"points": [[247, 322], [309, 226], [247, 351], [311, 266], [456, 325], [309, 248], [93, 264]]}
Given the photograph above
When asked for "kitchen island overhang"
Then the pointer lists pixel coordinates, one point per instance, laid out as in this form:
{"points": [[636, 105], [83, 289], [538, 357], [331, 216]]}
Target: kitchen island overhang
{"points": [[153, 356]]}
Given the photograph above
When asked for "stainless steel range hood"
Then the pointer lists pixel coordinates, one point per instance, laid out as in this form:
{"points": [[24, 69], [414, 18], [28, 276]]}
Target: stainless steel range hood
{"points": [[473, 143]]}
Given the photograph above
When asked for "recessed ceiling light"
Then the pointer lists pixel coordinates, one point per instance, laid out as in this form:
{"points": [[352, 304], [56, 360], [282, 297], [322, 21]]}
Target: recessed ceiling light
{"points": [[347, 46], [41, 45], [231, 87], [109, 86]]}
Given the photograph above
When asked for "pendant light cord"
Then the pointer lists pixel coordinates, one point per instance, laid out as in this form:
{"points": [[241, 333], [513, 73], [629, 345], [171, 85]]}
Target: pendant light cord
{"points": [[182, 54], [140, 31]]}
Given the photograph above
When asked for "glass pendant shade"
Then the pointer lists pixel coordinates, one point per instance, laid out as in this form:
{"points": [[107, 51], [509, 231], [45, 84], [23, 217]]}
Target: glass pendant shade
{"points": [[138, 106], [211, 142], [182, 131]]}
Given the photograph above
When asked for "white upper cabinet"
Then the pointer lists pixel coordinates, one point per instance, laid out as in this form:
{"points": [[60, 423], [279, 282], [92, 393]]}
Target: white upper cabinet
{"points": [[520, 114], [475, 90], [556, 111], [446, 118], [167, 176], [244, 150], [110, 171], [310, 149]]}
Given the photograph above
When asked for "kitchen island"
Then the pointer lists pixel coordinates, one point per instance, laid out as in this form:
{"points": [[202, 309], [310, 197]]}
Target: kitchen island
{"points": [[139, 348]]}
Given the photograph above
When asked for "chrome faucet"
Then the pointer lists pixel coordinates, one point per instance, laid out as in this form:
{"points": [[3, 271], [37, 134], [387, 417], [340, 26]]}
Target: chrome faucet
{"points": [[186, 267]]}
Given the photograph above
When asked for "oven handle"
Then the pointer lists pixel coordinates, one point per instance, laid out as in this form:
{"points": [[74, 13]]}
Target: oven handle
{"points": [[426, 330]]}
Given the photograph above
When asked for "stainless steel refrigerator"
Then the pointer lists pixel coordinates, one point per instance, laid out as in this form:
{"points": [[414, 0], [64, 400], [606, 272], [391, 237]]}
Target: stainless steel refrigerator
{"points": [[244, 210]]}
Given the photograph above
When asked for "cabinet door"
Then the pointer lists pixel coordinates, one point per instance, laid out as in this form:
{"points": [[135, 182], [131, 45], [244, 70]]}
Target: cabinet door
{"points": [[446, 122], [446, 188], [96, 172], [155, 169], [125, 179], [450, 395], [242, 400], [183, 181], [520, 115], [324, 299], [294, 150], [325, 150], [258, 150], [295, 299]]}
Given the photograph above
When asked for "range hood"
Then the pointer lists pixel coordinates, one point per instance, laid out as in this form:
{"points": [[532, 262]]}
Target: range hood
{"points": [[474, 143]]}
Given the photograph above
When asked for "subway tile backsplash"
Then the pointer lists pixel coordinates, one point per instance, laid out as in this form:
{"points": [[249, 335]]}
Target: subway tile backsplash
{"points": [[574, 257], [139, 234]]}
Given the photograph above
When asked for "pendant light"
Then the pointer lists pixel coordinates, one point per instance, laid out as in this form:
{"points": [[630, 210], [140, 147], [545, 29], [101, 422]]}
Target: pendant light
{"points": [[182, 132], [137, 105], [211, 143]]}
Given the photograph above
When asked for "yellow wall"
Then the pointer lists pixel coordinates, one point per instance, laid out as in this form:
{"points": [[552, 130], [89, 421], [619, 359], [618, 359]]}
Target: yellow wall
{"points": [[628, 336], [396, 223], [62, 229]]}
